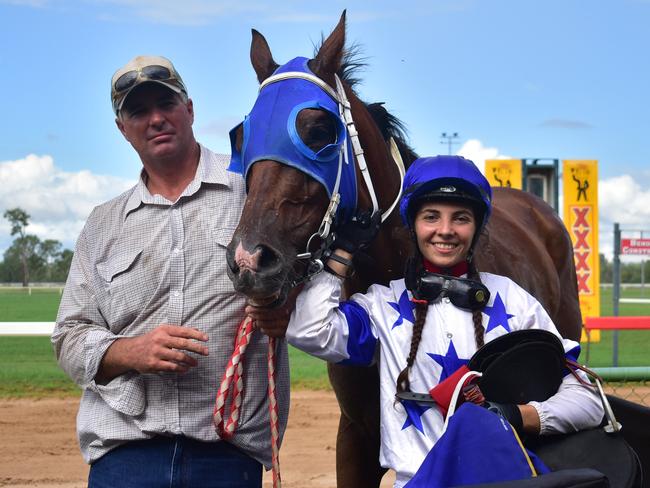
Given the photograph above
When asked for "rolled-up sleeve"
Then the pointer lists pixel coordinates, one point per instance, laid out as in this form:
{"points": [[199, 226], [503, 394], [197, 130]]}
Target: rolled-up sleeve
{"points": [[81, 336]]}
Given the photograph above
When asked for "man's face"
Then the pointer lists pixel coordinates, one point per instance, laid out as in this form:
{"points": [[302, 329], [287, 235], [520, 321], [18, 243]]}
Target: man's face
{"points": [[157, 122]]}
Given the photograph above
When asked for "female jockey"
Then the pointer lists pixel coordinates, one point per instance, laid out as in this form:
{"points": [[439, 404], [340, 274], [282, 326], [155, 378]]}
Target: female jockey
{"points": [[446, 204]]}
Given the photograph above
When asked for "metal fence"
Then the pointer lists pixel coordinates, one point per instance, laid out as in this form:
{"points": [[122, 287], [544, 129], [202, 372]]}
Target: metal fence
{"points": [[631, 383]]}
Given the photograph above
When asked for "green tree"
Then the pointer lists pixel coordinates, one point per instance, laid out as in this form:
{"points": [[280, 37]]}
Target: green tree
{"points": [[61, 266], [48, 251], [605, 270], [19, 220]]}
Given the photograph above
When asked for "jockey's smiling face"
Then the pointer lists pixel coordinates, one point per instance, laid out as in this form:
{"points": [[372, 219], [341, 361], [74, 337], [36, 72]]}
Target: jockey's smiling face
{"points": [[444, 232]]}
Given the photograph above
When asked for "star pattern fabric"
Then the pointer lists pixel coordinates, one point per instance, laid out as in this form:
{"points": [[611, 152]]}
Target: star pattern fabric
{"points": [[405, 309], [414, 412], [498, 315], [450, 362]]}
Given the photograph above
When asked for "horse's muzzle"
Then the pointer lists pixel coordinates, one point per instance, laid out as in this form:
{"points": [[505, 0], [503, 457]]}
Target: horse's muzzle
{"points": [[260, 275]]}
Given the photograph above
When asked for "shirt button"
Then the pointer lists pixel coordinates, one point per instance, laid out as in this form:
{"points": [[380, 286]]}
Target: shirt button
{"points": [[446, 299], [176, 250], [449, 335], [176, 294]]}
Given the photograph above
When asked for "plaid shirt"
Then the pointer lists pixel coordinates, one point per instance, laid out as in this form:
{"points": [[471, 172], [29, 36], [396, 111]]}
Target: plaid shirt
{"points": [[142, 261]]}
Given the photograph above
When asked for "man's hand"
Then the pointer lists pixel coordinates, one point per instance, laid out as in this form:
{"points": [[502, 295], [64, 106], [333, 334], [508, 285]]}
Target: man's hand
{"points": [[274, 321], [164, 349]]}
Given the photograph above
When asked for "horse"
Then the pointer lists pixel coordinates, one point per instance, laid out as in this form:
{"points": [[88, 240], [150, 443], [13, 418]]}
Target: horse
{"points": [[290, 208]]}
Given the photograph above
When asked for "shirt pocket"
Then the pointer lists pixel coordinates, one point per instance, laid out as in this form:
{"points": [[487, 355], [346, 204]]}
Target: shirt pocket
{"points": [[126, 285]]}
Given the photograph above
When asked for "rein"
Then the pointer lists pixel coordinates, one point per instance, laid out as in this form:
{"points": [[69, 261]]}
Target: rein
{"points": [[317, 257], [232, 388]]}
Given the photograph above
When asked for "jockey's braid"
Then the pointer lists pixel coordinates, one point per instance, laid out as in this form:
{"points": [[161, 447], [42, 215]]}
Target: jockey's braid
{"points": [[477, 315]]}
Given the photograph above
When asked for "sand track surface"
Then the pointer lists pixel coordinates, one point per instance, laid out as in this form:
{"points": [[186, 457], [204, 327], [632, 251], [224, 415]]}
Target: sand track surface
{"points": [[39, 446]]}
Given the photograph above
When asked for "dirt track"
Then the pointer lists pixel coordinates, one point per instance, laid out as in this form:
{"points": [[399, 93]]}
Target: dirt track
{"points": [[39, 446]]}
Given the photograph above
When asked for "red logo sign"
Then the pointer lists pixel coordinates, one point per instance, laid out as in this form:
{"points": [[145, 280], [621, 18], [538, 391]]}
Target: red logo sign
{"points": [[635, 246]]}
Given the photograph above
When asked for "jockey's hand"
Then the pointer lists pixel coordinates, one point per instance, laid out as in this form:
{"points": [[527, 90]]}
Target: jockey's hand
{"points": [[274, 321], [508, 411], [358, 233]]}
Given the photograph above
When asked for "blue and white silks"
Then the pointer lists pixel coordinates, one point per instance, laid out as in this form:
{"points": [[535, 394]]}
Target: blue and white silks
{"points": [[270, 133], [378, 326]]}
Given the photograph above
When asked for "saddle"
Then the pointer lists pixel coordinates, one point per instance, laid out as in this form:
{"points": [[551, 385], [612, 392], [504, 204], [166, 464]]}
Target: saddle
{"points": [[529, 365]]}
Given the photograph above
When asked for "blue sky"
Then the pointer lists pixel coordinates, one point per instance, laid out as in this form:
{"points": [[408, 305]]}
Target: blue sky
{"points": [[563, 79]]}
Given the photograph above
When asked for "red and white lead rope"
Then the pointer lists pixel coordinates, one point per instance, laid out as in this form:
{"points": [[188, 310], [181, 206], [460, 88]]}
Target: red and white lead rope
{"points": [[232, 385]]}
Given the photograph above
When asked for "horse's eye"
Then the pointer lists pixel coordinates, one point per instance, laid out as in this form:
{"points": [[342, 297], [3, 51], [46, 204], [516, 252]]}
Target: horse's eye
{"points": [[316, 128]]}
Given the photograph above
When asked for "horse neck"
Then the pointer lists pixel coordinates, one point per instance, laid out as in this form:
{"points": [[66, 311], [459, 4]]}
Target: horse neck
{"points": [[388, 252]]}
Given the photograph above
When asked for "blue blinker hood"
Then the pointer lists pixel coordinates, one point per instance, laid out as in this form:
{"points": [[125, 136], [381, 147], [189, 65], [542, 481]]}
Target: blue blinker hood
{"points": [[270, 133]]}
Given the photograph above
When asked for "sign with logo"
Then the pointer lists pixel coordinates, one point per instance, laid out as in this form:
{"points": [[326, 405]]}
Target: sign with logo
{"points": [[580, 184], [635, 246], [504, 172]]}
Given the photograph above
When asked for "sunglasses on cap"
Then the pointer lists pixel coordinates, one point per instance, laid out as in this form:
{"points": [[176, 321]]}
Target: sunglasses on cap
{"points": [[153, 72], [462, 292]]}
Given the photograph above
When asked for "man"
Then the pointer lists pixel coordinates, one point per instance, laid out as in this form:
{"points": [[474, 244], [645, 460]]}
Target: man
{"points": [[148, 318]]}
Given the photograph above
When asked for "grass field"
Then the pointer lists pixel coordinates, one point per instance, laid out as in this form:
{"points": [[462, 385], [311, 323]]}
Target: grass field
{"points": [[19, 305], [28, 366]]}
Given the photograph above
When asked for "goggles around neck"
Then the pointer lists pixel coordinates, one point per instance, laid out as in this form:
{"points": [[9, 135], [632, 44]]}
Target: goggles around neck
{"points": [[431, 287]]}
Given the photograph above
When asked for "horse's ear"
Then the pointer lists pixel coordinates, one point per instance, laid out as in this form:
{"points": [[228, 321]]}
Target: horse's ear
{"points": [[261, 57], [330, 55]]}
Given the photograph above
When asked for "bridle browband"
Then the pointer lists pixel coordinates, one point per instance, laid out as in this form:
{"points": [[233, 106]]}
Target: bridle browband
{"points": [[345, 113]]}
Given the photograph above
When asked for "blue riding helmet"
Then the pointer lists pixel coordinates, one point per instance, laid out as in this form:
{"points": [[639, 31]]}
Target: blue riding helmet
{"points": [[270, 133], [445, 177]]}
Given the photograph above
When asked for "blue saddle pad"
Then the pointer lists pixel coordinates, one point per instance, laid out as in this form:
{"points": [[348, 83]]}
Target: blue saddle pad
{"points": [[478, 447]]}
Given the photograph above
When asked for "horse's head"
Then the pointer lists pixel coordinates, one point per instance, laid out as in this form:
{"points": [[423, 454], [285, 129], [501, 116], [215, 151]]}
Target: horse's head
{"points": [[295, 151]]}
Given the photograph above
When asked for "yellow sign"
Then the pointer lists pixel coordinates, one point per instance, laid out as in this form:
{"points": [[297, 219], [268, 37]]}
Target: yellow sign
{"points": [[504, 172], [580, 183]]}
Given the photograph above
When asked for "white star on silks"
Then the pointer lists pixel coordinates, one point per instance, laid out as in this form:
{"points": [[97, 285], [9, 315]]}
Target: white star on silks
{"points": [[414, 412], [450, 362], [498, 315]]}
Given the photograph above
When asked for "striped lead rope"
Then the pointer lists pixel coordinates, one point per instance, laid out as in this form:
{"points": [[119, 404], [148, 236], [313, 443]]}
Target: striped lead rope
{"points": [[232, 387]]}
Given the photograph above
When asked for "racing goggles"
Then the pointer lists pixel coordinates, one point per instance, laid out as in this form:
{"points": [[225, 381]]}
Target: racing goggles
{"points": [[462, 292]]}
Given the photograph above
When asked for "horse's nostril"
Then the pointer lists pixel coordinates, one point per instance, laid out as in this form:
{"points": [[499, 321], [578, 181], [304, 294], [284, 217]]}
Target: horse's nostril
{"points": [[230, 261], [268, 259]]}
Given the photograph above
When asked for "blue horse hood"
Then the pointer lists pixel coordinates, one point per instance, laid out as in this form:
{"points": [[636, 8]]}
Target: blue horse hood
{"points": [[270, 133]]}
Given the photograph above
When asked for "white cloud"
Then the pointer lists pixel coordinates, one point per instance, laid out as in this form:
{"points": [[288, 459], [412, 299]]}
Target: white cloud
{"points": [[622, 199], [474, 150], [58, 202]]}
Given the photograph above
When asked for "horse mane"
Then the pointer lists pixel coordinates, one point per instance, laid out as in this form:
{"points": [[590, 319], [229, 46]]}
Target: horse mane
{"points": [[352, 63]]}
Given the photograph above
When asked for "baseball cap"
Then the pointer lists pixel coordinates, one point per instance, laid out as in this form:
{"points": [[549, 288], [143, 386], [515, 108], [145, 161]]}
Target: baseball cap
{"points": [[144, 69]]}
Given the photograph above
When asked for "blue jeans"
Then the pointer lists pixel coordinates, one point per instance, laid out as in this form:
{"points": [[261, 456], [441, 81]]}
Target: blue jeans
{"points": [[175, 462]]}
